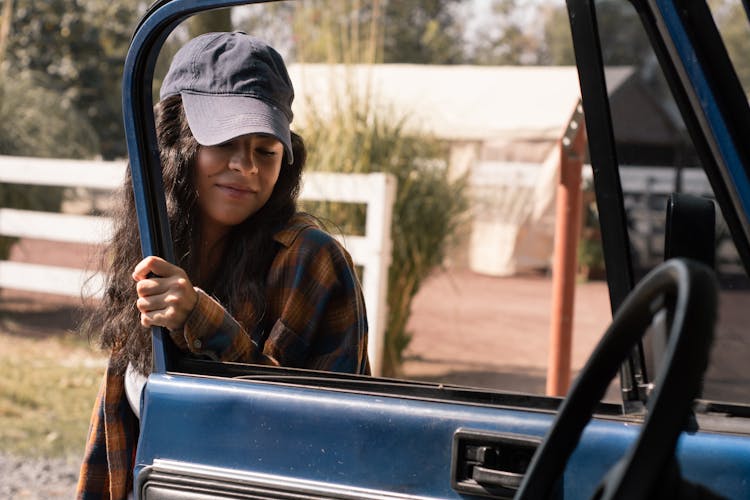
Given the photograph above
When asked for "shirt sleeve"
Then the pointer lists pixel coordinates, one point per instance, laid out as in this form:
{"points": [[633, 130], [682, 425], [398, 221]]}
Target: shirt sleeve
{"points": [[211, 331]]}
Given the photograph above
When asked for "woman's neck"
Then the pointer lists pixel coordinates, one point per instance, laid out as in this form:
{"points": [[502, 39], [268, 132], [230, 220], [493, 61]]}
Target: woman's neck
{"points": [[211, 248]]}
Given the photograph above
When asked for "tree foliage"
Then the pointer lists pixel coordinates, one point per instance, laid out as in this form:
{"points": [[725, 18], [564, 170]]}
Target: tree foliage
{"points": [[335, 32], [423, 32], [503, 38], [557, 45], [33, 121], [419, 32], [734, 26], [76, 49], [210, 21], [59, 89]]}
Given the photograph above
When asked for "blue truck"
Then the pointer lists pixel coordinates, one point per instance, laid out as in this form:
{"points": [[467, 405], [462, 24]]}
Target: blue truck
{"points": [[229, 430]]}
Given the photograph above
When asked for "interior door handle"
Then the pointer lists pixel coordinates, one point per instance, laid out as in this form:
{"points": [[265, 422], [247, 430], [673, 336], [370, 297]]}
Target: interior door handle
{"points": [[490, 464], [492, 477]]}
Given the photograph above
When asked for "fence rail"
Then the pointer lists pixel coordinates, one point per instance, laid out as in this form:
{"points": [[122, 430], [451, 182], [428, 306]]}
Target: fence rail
{"points": [[372, 251]]}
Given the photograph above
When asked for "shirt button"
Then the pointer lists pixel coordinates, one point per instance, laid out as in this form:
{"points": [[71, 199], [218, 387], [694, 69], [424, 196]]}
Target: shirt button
{"points": [[197, 343]]}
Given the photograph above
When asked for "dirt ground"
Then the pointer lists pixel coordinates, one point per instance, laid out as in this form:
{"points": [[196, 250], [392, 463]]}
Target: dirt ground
{"points": [[471, 329]]}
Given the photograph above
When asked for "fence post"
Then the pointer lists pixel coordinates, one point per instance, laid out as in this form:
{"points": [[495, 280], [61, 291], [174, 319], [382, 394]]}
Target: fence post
{"points": [[378, 227]]}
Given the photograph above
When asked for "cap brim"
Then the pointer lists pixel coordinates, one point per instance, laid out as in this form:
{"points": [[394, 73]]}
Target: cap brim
{"points": [[215, 119]]}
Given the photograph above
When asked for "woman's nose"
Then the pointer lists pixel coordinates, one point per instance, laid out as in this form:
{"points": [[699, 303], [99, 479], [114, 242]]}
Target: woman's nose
{"points": [[241, 160]]}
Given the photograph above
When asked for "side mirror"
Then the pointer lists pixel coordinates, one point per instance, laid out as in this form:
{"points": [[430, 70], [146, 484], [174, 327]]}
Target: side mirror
{"points": [[690, 232], [691, 229]]}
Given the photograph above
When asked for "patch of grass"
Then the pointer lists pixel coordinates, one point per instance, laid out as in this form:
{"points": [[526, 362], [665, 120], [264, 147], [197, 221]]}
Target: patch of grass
{"points": [[47, 390]]}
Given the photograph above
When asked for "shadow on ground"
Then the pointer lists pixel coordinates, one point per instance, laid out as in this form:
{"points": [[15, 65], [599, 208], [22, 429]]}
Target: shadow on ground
{"points": [[30, 316]]}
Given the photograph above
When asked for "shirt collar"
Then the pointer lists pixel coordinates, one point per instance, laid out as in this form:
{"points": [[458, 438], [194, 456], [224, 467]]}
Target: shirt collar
{"points": [[296, 224]]}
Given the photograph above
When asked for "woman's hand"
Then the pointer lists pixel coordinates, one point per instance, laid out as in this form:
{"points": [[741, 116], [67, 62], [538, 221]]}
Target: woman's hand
{"points": [[165, 294]]}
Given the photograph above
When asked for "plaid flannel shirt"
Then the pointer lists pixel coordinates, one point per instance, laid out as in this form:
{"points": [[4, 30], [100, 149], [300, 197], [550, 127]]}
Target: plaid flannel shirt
{"points": [[315, 302]]}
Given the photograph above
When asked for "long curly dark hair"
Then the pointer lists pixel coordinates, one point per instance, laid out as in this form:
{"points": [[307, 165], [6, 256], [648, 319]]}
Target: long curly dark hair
{"points": [[249, 249]]}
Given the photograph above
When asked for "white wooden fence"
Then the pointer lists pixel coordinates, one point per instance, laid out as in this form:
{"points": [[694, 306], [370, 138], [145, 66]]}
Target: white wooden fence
{"points": [[371, 251]]}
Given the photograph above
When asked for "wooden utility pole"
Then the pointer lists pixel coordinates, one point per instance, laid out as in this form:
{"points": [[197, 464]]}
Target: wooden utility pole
{"points": [[572, 147]]}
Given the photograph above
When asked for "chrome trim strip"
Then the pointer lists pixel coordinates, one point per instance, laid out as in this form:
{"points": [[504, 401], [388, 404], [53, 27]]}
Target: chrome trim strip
{"points": [[269, 483]]}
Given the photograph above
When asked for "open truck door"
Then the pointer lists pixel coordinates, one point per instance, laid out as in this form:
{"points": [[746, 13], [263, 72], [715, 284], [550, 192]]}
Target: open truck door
{"points": [[229, 430]]}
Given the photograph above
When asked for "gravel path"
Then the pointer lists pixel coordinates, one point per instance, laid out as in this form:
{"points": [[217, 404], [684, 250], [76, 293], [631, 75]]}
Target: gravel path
{"points": [[37, 478]]}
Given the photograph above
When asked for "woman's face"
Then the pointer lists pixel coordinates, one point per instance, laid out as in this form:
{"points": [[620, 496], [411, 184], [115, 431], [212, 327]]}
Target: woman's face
{"points": [[236, 178]]}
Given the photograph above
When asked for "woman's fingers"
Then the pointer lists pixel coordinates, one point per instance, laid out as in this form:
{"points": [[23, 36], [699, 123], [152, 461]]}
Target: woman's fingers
{"points": [[169, 308], [157, 266], [164, 310], [150, 303], [151, 286], [165, 294], [159, 317], [147, 303], [143, 268]]}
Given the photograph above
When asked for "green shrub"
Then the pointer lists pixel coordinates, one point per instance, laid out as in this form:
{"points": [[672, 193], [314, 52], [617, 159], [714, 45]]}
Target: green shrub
{"points": [[34, 121]]}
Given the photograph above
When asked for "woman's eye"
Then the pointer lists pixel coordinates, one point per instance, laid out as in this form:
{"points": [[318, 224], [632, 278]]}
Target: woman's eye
{"points": [[266, 152]]}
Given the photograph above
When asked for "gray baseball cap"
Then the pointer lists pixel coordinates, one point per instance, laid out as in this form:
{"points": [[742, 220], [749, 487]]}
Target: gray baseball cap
{"points": [[231, 84]]}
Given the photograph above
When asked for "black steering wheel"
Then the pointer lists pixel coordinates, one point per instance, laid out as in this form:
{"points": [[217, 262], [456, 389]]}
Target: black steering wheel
{"points": [[689, 292]]}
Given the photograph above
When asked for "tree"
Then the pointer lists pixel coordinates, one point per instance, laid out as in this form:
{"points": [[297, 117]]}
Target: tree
{"points": [[34, 123], [56, 91], [321, 31], [332, 32], [503, 38], [100, 97], [77, 50], [5, 18], [274, 22], [423, 32], [624, 41], [733, 25], [210, 21], [557, 46]]}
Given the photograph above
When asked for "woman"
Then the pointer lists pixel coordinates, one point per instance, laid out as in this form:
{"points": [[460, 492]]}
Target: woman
{"points": [[255, 280]]}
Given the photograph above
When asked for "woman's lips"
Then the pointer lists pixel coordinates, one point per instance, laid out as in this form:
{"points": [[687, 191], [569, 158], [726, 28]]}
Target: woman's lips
{"points": [[235, 191]]}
